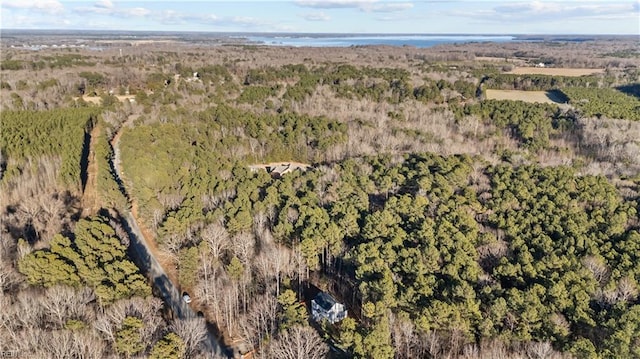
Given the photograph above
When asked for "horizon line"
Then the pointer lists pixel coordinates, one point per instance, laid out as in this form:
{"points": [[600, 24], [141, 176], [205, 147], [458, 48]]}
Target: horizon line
{"points": [[316, 33]]}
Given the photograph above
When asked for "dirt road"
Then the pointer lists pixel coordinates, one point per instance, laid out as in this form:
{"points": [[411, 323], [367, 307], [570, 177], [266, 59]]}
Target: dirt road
{"points": [[143, 256], [90, 201]]}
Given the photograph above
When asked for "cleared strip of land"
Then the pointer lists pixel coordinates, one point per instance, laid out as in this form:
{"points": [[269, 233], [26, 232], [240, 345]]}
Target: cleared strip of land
{"points": [[97, 99], [526, 96], [554, 71]]}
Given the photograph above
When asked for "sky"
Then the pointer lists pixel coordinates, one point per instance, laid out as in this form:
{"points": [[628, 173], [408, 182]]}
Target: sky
{"points": [[330, 16]]}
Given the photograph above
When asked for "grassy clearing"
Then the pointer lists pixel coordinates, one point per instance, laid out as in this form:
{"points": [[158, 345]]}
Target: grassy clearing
{"points": [[97, 100], [554, 71], [526, 96]]}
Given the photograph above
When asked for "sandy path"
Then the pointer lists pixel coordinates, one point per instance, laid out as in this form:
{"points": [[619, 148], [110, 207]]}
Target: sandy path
{"points": [[90, 196]]}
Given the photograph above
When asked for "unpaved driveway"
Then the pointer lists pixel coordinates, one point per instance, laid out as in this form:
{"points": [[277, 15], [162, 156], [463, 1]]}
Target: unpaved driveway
{"points": [[143, 256]]}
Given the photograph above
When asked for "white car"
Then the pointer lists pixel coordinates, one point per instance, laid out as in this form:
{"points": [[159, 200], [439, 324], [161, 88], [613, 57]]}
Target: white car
{"points": [[186, 297]]}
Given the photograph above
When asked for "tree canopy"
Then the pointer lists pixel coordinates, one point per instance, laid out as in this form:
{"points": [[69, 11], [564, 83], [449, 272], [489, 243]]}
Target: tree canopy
{"points": [[93, 256]]}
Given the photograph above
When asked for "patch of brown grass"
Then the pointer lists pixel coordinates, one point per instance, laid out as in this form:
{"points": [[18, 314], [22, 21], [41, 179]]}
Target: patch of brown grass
{"points": [[526, 96], [97, 99]]}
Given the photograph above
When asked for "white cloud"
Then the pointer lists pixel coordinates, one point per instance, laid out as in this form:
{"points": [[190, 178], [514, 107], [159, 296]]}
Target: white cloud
{"points": [[108, 9], [35, 22], [207, 18], [403, 17], [362, 5], [244, 21], [105, 4], [333, 4], [43, 6], [316, 16], [546, 11], [388, 7], [169, 17], [172, 17], [135, 12]]}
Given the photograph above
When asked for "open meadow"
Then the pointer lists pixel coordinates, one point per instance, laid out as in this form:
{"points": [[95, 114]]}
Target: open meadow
{"points": [[526, 96]]}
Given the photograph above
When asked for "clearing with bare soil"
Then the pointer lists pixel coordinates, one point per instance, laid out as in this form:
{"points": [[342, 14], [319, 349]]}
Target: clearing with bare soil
{"points": [[554, 71], [526, 96], [90, 200], [97, 99], [280, 168]]}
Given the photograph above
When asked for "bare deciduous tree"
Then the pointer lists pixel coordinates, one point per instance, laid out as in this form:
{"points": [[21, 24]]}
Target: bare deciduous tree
{"points": [[299, 342], [88, 345], [492, 349], [192, 331], [39, 206], [598, 268], [403, 337], [147, 309], [540, 350], [261, 320], [105, 327], [59, 344], [62, 303], [217, 238], [273, 262], [243, 246], [627, 289], [170, 201]]}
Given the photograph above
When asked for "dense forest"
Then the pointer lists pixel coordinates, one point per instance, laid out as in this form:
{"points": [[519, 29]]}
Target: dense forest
{"points": [[42, 137], [449, 225]]}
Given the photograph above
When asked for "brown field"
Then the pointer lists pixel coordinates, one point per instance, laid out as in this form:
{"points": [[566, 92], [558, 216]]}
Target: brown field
{"points": [[554, 71], [97, 99], [526, 96]]}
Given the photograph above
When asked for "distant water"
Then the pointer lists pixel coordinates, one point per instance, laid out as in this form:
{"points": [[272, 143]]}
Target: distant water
{"points": [[364, 40]]}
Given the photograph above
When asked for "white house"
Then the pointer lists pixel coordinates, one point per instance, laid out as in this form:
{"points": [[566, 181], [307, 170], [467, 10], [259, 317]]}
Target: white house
{"points": [[323, 306]]}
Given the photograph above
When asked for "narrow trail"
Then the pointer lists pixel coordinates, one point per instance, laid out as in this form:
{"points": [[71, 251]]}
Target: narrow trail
{"points": [[144, 253], [90, 197]]}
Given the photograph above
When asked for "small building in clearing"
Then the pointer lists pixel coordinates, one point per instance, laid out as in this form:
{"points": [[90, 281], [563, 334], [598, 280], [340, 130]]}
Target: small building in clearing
{"points": [[278, 169], [324, 306]]}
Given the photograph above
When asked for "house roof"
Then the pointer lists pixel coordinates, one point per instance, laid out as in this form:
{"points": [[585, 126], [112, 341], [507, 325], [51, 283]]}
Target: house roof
{"points": [[281, 169], [325, 300]]}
